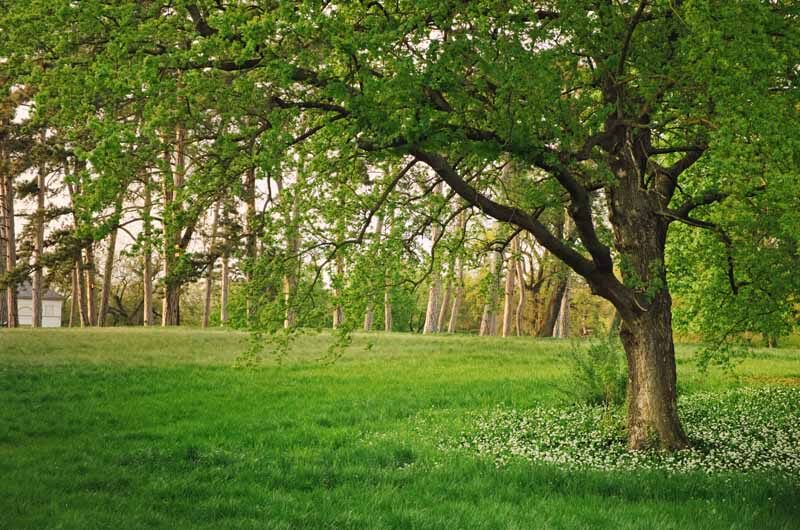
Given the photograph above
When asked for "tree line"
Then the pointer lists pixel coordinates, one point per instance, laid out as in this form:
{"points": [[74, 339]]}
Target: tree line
{"points": [[353, 151]]}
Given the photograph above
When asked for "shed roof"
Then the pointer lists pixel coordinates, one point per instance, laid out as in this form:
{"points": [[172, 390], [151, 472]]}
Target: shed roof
{"points": [[25, 292]]}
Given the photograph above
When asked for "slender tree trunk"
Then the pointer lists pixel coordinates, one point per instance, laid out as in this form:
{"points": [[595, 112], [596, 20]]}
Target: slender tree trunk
{"points": [[290, 278], [520, 271], [458, 297], [225, 282], [338, 310], [172, 181], [3, 247], [432, 311], [489, 318], [561, 330], [251, 240], [74, 305], [37, 285], [447, 296], [108, 267], [388, 321], [7, 187], [147, 251], [210, 271], [91, 283], [82, 299], [369, 315], [508, 303]]}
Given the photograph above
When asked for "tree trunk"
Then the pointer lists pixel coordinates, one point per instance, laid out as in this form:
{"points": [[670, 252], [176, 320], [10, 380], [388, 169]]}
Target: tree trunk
{"points": [[458, 297], [445, 305], [7, 188], [489, 318], [91, 284], [338, 310], [108, 267], [652, 396], [561, 329], [388, 321], [172, 181], [369, 315], [147, 246], [37, 285], [640, 235], [251, 240], [74, 306], [210, 271], [508, 302], [83, 304], [225, 282], [520, 271], [552, 305]]}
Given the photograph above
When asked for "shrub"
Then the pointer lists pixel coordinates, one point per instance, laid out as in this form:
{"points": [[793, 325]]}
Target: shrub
{"points": [[599, 373]]}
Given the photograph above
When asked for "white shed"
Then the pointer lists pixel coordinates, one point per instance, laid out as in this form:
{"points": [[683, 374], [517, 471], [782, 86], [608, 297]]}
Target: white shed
{"points": [[51, 306]]}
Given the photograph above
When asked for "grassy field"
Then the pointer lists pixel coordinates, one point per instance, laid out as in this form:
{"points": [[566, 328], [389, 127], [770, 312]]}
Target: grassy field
{"points": [[155, 429]]}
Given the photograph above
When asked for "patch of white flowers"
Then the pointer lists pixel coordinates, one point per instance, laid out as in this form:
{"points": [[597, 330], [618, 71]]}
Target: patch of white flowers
{"points": [[742, 430]]}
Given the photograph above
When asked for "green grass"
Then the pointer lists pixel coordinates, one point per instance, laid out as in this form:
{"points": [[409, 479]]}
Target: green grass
{"points": [[155, 429]]}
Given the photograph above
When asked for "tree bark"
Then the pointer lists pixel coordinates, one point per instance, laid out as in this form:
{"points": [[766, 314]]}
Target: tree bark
{"points": [[652, 395], [387, 309]]}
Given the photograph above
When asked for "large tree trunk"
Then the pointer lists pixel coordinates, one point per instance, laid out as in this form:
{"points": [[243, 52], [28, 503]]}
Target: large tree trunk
{"points": [[640, 235], [37, 286], [652, 395]]}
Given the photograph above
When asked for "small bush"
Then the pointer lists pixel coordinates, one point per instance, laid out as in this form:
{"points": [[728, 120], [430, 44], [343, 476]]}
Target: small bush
{"points": [[599, 373]]}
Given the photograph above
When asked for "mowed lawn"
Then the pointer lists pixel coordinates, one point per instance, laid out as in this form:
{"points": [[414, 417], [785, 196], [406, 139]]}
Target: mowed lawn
{"points": [[134, 428]]}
